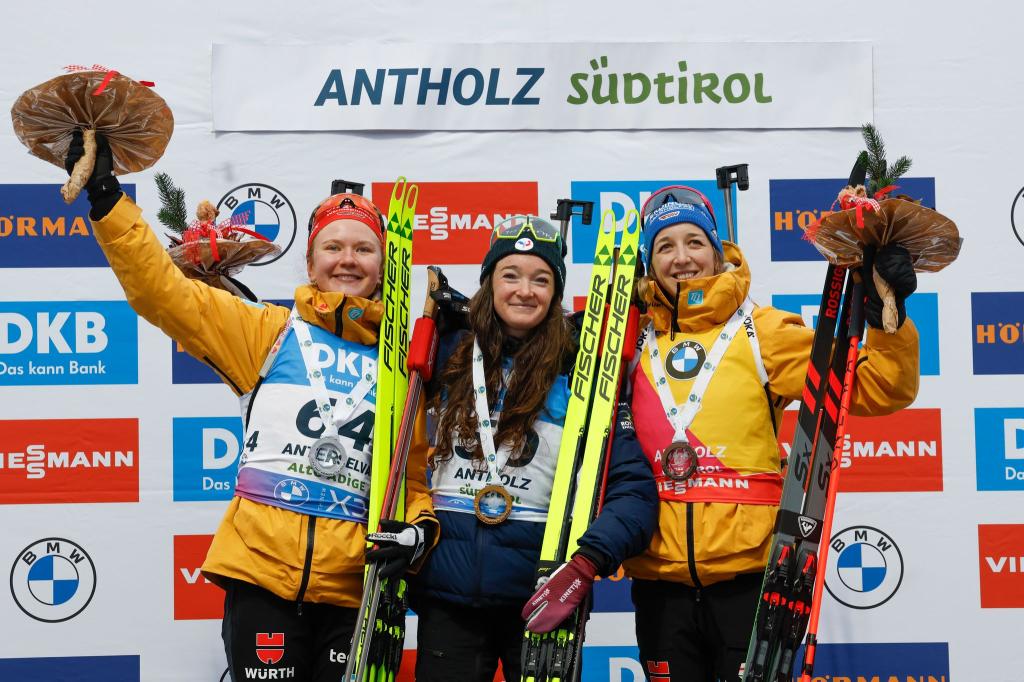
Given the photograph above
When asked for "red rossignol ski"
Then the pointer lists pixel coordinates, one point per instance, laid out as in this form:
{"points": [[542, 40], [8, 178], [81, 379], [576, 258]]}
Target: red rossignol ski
{"points": [[788, 588]]}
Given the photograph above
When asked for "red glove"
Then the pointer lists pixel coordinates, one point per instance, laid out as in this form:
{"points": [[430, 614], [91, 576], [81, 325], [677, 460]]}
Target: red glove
{"points": [[562, 592]]}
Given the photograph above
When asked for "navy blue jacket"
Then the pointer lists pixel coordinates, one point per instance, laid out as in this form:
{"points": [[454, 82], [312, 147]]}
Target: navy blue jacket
{"points": [[481, 565]]}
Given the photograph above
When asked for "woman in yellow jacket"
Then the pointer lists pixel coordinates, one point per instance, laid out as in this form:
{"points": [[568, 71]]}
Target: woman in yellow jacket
{"points": [[290, 549], [696, 587]]}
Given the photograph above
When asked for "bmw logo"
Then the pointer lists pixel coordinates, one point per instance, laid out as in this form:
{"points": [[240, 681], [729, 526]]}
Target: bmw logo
{"points": [[292, 491], [265, 210], [53, 580], [865, 567], [685, 360]]}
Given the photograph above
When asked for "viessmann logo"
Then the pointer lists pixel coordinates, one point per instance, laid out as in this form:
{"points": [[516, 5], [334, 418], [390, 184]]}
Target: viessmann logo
{"points": [[454, 220], [68, 343], [38, 230], [49, 461], [900, 452], [195, 597], [795, 205], [1001, 565], [888, 662]]}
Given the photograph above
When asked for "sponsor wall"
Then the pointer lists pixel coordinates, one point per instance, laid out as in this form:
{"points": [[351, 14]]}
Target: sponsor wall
{"points": [[118, 451]]}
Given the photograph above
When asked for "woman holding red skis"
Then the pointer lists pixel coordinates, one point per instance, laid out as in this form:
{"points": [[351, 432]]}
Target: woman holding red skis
{"points": [[735, 365], [492, 477], [290, 550]]}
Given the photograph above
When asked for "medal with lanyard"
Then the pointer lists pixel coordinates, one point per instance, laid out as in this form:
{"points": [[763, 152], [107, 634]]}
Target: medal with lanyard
{"points": [[492, 503], [679, 461], [327, 454]]}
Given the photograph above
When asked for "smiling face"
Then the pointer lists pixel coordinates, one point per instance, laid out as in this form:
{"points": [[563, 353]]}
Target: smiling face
{"points": [[523, 289], [682, 252], [346, 257]]}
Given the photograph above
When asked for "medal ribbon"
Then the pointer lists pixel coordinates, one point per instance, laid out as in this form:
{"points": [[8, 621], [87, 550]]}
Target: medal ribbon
{"points": [[316, 381], [485, 425], [680, 419]]}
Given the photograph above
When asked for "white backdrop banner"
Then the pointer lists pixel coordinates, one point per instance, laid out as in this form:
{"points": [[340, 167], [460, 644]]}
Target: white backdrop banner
{"points": [[519, 86]]}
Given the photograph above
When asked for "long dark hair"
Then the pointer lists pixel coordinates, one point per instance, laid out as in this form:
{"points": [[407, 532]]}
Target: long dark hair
{"points": [[541, 357]]}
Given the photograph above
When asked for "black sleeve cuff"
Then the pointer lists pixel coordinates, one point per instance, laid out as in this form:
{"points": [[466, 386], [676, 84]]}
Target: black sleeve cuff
{"points": [[601, 562]]}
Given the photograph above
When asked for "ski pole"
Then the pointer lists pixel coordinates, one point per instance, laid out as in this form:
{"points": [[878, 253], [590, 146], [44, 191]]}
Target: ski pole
{"points": [[563, 213], [422, 352], [726, 176], [856, 329]]}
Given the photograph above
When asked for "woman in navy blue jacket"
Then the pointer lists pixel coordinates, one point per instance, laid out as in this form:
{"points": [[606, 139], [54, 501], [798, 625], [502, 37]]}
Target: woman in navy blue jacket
{"points": [[491, 478]]}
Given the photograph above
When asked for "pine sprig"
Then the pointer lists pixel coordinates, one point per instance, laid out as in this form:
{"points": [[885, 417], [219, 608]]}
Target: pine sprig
{"points": [[172, 213], [881, 174]]}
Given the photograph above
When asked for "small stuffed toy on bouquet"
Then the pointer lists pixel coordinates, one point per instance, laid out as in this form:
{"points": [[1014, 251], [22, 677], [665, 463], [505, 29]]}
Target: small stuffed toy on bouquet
{"points": [[206, 250]]}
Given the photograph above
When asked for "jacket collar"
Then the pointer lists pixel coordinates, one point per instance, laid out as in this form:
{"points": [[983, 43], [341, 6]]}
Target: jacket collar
{"points": [[701, 303], [351, 317]]}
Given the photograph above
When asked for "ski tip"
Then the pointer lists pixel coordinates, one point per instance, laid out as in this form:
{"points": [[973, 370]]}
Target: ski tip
{"points": [[608, 220]]}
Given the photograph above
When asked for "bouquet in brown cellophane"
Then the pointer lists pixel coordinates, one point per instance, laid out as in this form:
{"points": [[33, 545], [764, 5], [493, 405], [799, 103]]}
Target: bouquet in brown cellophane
{"points": [[206, 250], [134, 119], [869, 216]]}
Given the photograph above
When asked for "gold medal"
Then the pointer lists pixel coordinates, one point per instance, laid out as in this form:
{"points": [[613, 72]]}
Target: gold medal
{"points": [[492, 504]]}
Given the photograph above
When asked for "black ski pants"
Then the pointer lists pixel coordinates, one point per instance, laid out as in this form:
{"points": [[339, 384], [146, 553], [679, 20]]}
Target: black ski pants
{"points": [[464, 643], [687, 634], [269, 638]]}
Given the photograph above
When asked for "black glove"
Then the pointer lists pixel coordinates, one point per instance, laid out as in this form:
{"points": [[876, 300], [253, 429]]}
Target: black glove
{"points": [[896, 267], [452, 310], [102, 188], [398, 545]]}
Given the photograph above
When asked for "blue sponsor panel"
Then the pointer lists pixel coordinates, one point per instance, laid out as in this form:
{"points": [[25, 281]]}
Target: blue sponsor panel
{"points": [[999, 447], [185, 369], [624, 195], [922, 308], [613, 594], [76, 668], [794, 205], [612, 664], [206, 453], [997, 332], [53, 343], [918, 661], [38, 230]]}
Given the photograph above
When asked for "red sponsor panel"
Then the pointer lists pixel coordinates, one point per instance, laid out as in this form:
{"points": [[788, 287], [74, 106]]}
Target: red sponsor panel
{"points": [[1001, 565], [900, 452], [454, 219], [195, 598], [47, 461]]}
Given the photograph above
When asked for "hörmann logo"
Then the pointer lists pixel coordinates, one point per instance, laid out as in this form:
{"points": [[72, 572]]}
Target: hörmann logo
{"points": [[795, 205], [1001, 565], [999, 447], [901, 452], [205, 457], [997, 332], [68, 342], [266, 210], [195, 597], [77, 668], [48, 461], [622, 196], [454, 219], [38, 230], [888, 662], [922, 308]]}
